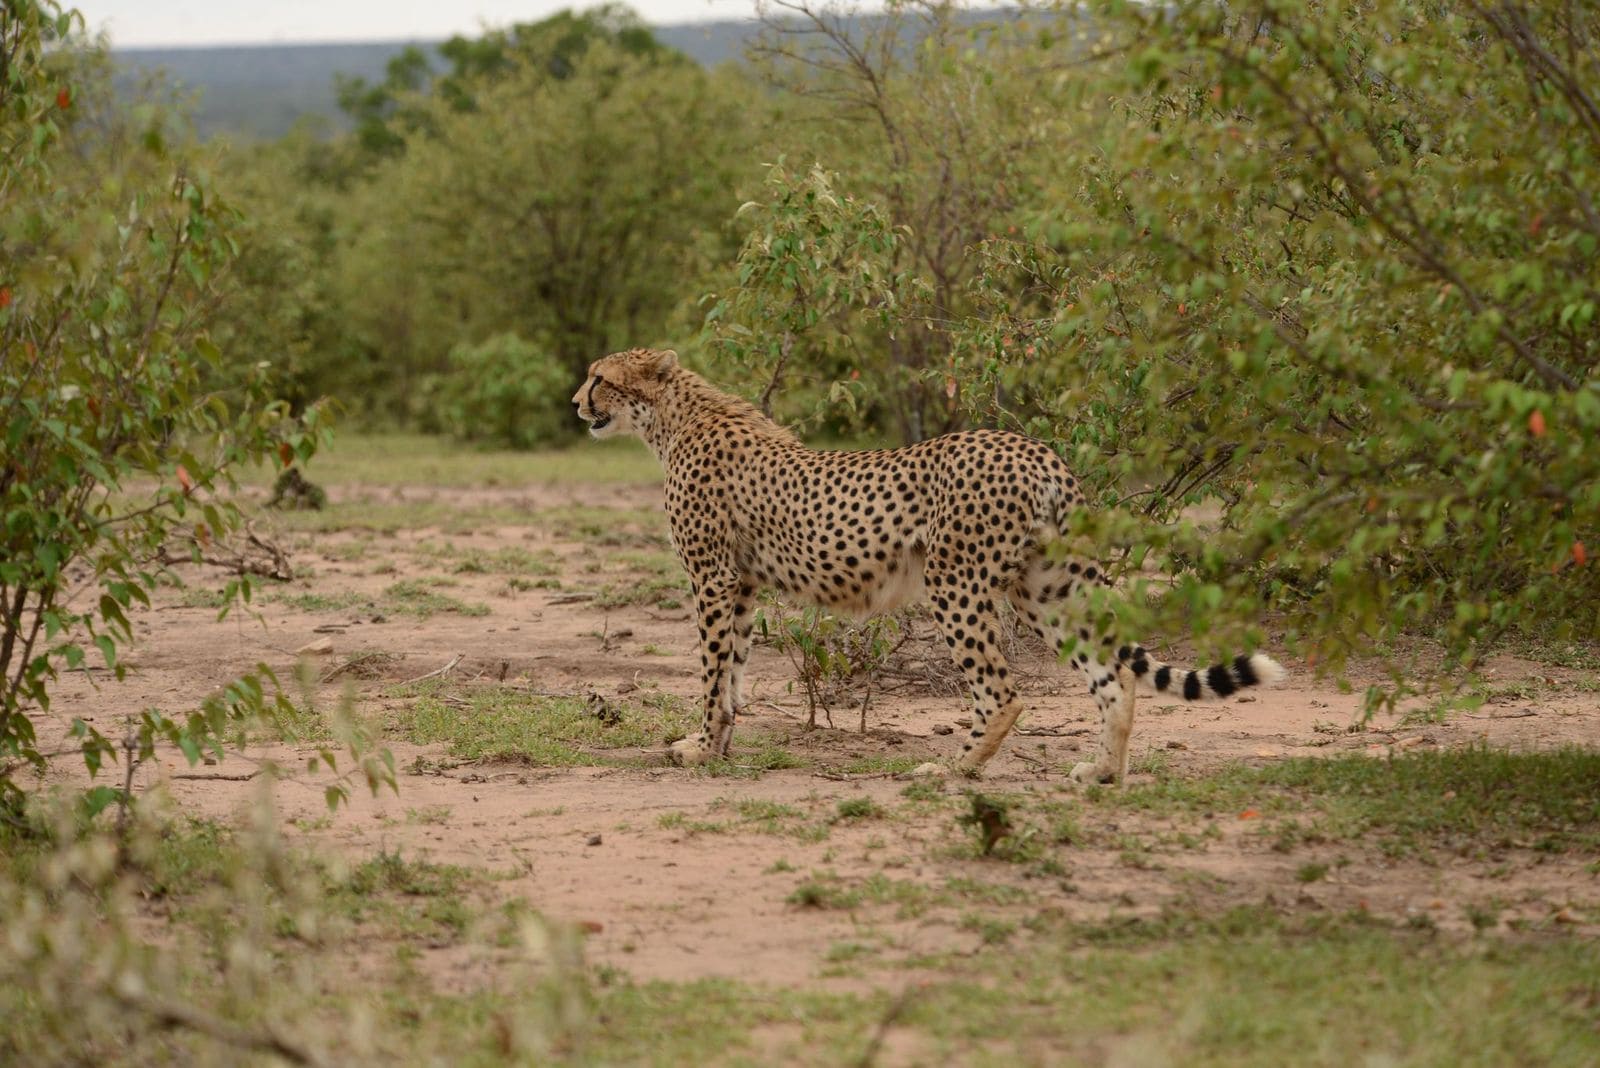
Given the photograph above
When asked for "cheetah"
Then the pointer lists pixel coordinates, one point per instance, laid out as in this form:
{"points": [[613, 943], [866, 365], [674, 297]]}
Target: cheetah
{"points": [[960, 520]]}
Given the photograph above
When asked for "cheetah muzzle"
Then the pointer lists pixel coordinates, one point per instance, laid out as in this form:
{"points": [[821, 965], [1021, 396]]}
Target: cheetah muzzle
{"points": [[961, 521]]}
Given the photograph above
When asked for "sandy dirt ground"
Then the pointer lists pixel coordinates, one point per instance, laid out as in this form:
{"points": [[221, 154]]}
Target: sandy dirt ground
{"points": [[665, 895]]}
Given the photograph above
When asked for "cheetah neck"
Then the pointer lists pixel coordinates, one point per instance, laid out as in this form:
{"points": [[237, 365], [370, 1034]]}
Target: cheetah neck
{"points": [[688, 404]]}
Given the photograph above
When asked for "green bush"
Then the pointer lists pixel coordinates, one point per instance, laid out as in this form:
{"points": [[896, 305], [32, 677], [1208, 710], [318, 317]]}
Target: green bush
{"points": [[117, 447], [1329, 269], [505, 391]]}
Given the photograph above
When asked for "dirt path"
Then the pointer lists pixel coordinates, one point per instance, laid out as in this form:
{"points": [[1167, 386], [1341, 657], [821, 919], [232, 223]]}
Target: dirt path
{"points": [[681, 874]]}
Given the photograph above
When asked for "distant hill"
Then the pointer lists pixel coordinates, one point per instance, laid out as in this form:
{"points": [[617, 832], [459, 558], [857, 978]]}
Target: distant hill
{"points": [[260, 91]]}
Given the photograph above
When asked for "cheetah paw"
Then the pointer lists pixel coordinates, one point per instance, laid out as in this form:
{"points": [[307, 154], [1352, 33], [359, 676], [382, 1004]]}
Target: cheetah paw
{"points": [[1090, 773], [689, 752]]}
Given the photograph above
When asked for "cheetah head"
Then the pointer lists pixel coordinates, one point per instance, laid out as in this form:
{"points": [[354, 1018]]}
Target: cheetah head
{"points": [[621, 390]]}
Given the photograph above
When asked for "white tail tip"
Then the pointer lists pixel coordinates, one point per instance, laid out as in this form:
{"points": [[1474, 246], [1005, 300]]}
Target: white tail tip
{"points": [[1268, 672]]}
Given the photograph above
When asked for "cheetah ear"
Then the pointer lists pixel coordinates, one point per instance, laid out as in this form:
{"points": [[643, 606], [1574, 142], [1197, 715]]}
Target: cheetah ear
{"points": [[665, 361]]}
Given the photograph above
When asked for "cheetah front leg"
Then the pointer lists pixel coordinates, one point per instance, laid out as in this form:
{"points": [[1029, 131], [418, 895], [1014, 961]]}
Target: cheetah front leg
{"points": [[715, 602]]}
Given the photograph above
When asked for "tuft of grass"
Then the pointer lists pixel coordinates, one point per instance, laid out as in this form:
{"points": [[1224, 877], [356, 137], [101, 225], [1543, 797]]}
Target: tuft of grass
{"points": [[824, 892], [858, 808], [1311, 872]]}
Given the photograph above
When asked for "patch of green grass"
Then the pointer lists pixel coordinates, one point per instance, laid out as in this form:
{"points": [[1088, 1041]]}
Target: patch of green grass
{"points": [[825, 892], [417, 598], [991, 929], [680, 821], [1577, 656], [1457, 798], [660, 592], [656, 563], [342, 601], [500, 723], [506, 560], [764, 756], [841, 952], [637, 528], [765, 817], [202, 597], [1250, 988], [517, 584], [923, 791], [189, 854], [388, 517], [356, 458], [876, 764], [410, 897], [1311, 872]]}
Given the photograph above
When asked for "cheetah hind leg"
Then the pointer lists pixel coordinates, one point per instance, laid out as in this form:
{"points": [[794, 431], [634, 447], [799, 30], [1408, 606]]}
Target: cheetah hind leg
{"points": [[1115, 728]]}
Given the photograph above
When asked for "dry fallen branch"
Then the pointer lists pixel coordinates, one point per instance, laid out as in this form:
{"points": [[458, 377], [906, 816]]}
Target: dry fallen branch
{"points": [[365, 665], [257, 556]]}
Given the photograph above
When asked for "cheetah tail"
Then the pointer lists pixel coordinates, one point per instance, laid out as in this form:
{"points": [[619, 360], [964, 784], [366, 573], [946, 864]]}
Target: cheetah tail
{"points": [[1200, 684]]}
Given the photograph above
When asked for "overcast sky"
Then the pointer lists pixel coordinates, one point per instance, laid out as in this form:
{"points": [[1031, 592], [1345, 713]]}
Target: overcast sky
{"points": [[143, 23]]}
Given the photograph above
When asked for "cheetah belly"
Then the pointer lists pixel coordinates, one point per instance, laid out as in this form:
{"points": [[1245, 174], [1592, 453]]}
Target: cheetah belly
{"points": [[893, 588]]}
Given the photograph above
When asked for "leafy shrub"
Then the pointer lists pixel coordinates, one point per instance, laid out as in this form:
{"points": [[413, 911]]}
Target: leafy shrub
{"points": [[1330, 268], [506, 391], [113, 442]]}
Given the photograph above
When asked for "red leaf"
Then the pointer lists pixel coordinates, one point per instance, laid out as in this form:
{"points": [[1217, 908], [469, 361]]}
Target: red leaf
{"points": [[63, 98], [285, 453], [1580, 555], [1536, 423], [5, 296], [1536, 224], [1250, 814], [185, 480]]}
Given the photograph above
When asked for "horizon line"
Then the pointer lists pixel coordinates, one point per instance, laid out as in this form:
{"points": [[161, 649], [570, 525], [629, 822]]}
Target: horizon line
{"points": [[334, 42]]}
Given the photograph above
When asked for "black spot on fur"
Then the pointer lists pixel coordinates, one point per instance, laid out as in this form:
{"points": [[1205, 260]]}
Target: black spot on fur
{"points": [[1244, 672], [1163, 677], [1191, 686]]}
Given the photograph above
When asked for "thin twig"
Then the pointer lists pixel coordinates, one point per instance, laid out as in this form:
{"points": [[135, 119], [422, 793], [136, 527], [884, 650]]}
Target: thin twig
{"points": [[176, 1014], [890, 1017], [438, 672], [219, 778]]}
